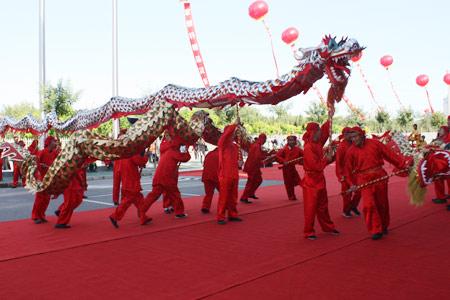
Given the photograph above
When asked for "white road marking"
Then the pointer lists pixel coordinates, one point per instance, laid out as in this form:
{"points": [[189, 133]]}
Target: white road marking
{"points": [[99, 202]]}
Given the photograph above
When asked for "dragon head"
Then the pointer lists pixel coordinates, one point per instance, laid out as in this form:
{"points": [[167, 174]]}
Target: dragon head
{"points": [[337, 55]]}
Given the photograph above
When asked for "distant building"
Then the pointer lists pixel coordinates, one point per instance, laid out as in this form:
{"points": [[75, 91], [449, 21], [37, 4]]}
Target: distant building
{"points": [[446, 108]]}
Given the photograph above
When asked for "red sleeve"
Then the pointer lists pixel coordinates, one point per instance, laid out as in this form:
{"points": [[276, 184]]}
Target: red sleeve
{"points": [[340, 157], [349, 167], [182, 157], [226, 139], [397, 160], [312, 161], [139, 160], [325, 132], [281, 156]]}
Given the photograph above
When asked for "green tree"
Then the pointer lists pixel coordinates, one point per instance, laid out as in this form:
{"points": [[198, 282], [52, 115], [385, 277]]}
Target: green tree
{"points": [[317, 112], [405, 118], [60, 99], [383, 119], [20, 110], [437, 119]]}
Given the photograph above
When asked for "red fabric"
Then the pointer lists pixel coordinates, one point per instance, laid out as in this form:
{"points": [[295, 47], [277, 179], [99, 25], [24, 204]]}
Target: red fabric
{"points": [[254, 180], [209, 186], [172, 192], [211, 166], [41, 201], [228, 154], [130, 168], [1, 165], [33, 148], [45, 160], [16, 174], [73, 196], [290, 174], [350, 200], [363, 164], [167, 170], [316, 204], [117, 178], [228, 194], [128, 198], [252, 166], [439, 188], [340, 158]]}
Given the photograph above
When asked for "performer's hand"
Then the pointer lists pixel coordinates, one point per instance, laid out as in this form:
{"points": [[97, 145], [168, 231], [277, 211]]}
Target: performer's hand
{"points": [[352, 189], [342, 179], [240, 164]]}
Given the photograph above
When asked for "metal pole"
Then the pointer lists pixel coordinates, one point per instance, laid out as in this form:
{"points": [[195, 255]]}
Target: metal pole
{"points": [[42, 78], [115, 79]]}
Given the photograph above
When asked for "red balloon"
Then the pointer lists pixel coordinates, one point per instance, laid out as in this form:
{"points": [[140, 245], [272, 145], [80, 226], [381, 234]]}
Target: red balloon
{"points": [[422, 80], [290, 35], [357, 57], [386, 61], [447, 78], [258, 9]]}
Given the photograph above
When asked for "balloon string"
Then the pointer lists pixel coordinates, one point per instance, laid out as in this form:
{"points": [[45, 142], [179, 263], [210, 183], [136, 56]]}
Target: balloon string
{"points": [[271, 45], [393, 89], [429, 101], [372, 95], [353, 108]]}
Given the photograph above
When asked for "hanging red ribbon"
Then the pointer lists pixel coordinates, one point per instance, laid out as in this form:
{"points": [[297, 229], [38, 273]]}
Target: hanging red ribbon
{"points": [[393, 89], [194, 43], [352, 108], [372, 95], [319, 94], [271, 45], [429, 101]]}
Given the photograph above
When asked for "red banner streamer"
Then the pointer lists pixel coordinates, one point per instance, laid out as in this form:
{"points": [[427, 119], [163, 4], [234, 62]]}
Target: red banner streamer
{"points": [[352, 107], [194, 43], [393, 89], [319, 94]]}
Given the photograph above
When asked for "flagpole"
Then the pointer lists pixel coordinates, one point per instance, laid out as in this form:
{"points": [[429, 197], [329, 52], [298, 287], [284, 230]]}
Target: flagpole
{"points": [[115, 78], [42, 66]]}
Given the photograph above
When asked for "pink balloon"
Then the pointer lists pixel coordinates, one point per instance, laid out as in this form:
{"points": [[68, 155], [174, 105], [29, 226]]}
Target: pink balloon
{"points": [[422, 80], [447, 78], [258, 9], [386, 61], [289, 35], [357, 57]]}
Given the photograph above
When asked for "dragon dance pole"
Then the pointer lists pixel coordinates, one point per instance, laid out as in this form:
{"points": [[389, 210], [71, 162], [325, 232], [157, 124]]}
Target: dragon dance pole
{"points": [[42, 66], [377, 180], [115, 78]]}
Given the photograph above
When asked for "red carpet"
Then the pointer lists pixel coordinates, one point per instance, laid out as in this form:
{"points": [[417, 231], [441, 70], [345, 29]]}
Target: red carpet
{"points": [[265, 257]]}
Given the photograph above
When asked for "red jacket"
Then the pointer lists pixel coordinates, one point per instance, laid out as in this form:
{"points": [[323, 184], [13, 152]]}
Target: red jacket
{"points": [[286, 154], [365, 163], [167, 171], [77, 182], [211, 166], [340, 158], [33, 148], [131, 176], [45, 160], [255, 157], [228, 154]]}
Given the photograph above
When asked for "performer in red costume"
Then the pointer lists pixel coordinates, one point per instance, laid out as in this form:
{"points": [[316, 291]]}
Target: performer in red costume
{"points": [[350, 200], [41, 200], [73, 196], [442, 139], [131, 187], [16, 166], [166, 178], [117, 177], [1, 165], [210, 178], [252, 167], [228, 176], [33, 148], [314, 186], [290, 152], [363, 163]]}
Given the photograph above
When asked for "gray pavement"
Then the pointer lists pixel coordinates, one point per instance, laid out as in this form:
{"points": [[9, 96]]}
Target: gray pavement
{"points": [[17, 203]]}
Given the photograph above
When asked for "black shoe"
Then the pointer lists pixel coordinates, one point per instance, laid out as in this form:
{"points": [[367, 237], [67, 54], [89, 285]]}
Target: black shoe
{"points": [[311, 237], [334, 232], [167, 211], [221, 222], [234, 219], [85, 197], [114, 222], [439, 201], [57, 212], [385, 231], [37, 221], [246, 201], [148, 220], [205, 210], [44, 221], [62, 226], [347, 215], [356, 211], [14, 186], [253, 197], [181, 216], [116, 203], [448, 207], [377, 236]]}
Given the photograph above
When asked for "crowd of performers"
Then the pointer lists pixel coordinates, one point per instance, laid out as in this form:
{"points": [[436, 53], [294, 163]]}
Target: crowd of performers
{"points": [[359, 161]]}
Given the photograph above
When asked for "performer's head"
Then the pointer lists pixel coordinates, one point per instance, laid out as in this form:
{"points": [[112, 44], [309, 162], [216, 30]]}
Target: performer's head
{"points": [[50, 143], [443, 132], [292, 140], [262, 138], [16, 139], [312, 133], [415, 126], [347, 134], [358, 136]]}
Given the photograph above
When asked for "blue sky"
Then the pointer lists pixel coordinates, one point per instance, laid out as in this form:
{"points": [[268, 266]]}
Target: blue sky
{"points": [[154, 48]]}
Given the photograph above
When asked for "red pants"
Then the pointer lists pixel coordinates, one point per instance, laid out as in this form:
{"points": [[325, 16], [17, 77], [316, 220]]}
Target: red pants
{"points": [[316, 203], [351, 200], [254, 180], [167, 202], [376, 207], [128, 198], [72, 199], [439, 188], [228, 194], [116, 186], [16, 174], [41, 201], [172, 192], [210, 186], [290, 190], [1, 168]]}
